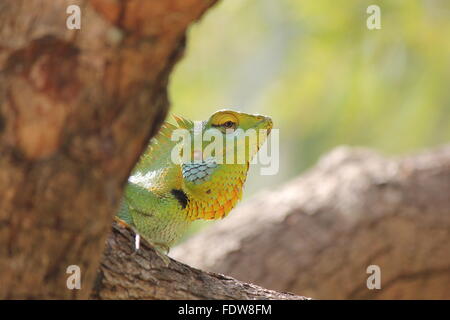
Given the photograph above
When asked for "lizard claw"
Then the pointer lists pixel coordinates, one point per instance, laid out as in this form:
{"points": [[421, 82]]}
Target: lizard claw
{"points": [[162, 251]]}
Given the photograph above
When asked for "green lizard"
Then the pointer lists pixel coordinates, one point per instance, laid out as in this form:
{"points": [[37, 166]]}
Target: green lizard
{"points": [[163, 197]]}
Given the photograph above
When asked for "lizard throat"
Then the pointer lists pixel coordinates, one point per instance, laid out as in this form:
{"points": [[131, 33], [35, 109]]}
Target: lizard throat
{"points": [[220, 196]]}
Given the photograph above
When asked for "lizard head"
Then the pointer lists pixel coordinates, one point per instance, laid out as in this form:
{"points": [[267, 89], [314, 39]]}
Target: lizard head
{"points": [[240, 131], [231, 120], [213, 182]]}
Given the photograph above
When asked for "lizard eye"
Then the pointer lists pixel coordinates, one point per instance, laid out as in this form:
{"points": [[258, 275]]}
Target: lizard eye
{"points": [[229, 124], [225, 121]]}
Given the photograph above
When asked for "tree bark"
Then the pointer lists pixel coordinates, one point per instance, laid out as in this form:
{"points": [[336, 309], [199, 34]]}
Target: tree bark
{"points": [[318, 234], [126, 274], [77, 107]]}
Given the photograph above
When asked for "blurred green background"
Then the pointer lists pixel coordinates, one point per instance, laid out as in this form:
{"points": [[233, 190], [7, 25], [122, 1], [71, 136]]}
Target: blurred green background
{"points": [[322, 75]]}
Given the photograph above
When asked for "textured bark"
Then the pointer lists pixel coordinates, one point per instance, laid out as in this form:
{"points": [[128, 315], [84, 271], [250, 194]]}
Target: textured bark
{"points": [[77, 107], [319, 233], [126, 274]]}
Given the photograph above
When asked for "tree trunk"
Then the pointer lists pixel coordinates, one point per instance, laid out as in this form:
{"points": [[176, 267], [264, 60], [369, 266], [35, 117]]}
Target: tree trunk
{"points": [[318, 234], [77, 107]]}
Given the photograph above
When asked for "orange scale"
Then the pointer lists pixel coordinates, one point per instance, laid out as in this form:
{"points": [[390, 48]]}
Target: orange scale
{"points": [[219, 214]]}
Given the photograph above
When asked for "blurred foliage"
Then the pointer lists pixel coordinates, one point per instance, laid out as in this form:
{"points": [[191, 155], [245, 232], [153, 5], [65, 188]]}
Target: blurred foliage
{"points": [[324, 78]]}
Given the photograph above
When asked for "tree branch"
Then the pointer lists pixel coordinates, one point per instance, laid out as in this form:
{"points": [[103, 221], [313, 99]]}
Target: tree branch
{"points": [[144, 275]]}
